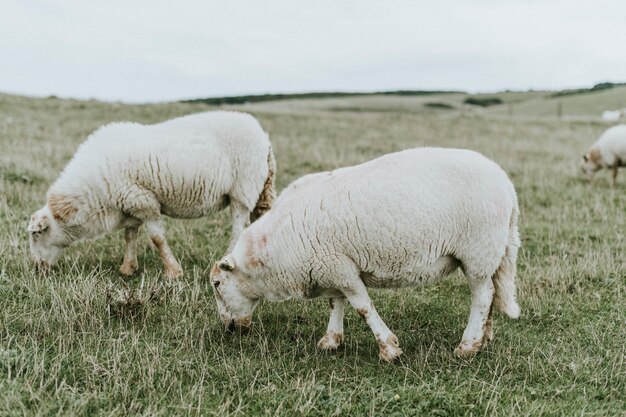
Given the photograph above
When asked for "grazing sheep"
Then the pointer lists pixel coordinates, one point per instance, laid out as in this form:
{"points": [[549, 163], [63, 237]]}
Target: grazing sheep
{"points": [[405, 219], [128, 174], [609, 151], [612, 116]]}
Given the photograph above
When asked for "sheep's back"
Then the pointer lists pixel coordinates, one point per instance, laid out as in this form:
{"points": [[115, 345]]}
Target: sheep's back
{"points": [[399, 213], [190, 163]]}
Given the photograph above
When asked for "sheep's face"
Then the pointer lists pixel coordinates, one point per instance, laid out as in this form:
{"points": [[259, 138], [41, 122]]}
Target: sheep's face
{"points": [[231, 287], [589, 165], [46, 238]]}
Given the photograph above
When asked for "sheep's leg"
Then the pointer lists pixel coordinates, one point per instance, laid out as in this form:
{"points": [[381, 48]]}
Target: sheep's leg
{"points": [[130, 265], [334, 332], [479, 327], [157, 235], [241, 220], [614, 175], [387, 341], [488, 329]]}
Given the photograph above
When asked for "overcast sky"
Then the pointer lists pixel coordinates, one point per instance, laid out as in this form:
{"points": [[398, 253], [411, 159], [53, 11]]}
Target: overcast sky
{"points": [[153, 50]]}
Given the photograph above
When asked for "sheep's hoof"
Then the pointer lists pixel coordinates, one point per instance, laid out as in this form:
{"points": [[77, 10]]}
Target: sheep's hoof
{"points": [[128, 268], [174, 273], [330, 341], [467, 350], [390, 348], [487, 336]]}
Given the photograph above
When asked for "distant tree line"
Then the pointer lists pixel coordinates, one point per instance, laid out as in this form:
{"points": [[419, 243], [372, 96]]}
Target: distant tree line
{"points": [[216, 101], [478, 100], [597, 87]]}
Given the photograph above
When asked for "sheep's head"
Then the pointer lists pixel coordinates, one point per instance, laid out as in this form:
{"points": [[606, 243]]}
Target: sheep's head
{"points": [[46, 238], [231, 287], [591, 163]]}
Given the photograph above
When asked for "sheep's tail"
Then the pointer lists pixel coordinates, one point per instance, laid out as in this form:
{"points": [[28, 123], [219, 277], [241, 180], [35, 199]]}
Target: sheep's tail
{"points": [[504, 278], [268, 194]]}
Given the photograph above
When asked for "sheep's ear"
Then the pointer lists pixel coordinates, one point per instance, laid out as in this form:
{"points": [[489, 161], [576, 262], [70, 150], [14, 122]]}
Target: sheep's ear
{"points": [[594, 155], [38, 224], [227, 264], [585, 158], [63, 207]]}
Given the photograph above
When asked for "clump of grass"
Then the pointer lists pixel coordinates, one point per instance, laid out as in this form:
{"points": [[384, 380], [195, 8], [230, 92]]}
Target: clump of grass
{"points": [[438, 105], [483, 101], [128, 302]]}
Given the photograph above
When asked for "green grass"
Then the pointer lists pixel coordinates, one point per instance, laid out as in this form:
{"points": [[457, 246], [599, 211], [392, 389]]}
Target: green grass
{"points": [[72, 343]]}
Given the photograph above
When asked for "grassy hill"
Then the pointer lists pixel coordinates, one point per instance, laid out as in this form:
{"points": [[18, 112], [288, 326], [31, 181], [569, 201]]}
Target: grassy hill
{"points": [[585, 103], [589, 104], [83, 340]]}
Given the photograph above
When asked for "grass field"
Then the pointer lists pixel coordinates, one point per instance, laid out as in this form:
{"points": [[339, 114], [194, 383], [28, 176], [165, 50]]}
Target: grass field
{"points": [[69, 344]]}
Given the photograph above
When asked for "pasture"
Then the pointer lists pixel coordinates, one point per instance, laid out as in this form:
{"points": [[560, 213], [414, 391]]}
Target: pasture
{"points": [[82, 340]]}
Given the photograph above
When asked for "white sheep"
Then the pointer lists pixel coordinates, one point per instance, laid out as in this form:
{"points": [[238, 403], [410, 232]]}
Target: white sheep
{"points": [[611, 116], [609, 151], [405, 219], [128, 174]]}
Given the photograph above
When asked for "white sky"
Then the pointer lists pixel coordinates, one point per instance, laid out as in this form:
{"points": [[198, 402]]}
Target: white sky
{"points": [[155, 50]]}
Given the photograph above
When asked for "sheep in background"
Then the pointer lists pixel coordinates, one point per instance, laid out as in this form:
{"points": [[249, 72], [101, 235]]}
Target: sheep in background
{"points": [[128, 174], [609, 151], [611, 116], [405, 219]]}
